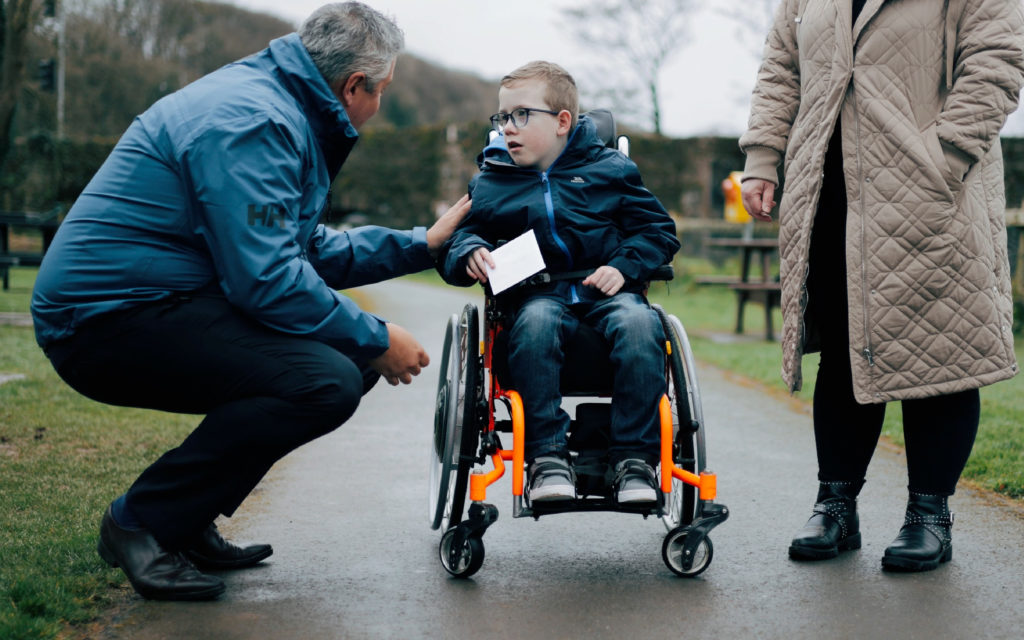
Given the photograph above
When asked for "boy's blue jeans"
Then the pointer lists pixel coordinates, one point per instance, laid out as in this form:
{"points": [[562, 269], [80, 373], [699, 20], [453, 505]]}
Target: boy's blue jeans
{"points": [[539, 332]]}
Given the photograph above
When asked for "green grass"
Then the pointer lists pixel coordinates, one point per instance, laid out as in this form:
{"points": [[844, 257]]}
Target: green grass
{"points": [[17, 298], [62, 459]]}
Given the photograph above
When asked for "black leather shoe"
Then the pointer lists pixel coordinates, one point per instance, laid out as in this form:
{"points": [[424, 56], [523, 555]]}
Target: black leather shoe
{"points": [[926, 538], [212, 552], [155, 573], [834, 525]]}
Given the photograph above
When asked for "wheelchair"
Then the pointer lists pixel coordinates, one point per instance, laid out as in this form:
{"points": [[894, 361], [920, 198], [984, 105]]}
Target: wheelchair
{"points": [[475, 406]]}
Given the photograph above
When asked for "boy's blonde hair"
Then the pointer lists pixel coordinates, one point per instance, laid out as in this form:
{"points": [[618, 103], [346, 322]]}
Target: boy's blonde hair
{"points": [[561, 88]]}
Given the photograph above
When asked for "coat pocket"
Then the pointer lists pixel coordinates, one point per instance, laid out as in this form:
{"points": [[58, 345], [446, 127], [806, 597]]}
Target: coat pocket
{"points": [[943, 163]]}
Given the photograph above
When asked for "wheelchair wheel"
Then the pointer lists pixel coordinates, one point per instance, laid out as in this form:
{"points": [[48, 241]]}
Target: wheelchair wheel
{"points": [[456, 430], [464, 561], [687, 418], [672, 552]]}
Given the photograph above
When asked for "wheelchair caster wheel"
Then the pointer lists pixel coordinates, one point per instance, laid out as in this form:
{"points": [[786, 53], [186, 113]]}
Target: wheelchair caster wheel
{"points": [[464, 557], [673, 552]]}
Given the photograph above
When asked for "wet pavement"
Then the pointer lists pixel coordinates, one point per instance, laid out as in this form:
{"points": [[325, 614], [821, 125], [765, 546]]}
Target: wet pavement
{"points": [[355, 557]]}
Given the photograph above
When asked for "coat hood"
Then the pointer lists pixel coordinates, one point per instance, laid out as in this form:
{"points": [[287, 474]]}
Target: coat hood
{"points": [[289, 61]]}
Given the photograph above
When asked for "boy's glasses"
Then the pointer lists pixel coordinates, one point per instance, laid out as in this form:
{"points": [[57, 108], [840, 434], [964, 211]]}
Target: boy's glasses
{"points": [[519, 117]]}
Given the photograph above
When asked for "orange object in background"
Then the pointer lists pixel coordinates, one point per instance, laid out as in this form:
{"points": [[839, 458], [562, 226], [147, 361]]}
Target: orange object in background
{"points": [[734, 209]]}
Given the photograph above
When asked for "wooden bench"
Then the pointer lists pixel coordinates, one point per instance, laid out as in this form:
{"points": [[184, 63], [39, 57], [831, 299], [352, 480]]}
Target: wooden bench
{"points": [[712, 279], [768, 294], [46, 222], [765, 291]]}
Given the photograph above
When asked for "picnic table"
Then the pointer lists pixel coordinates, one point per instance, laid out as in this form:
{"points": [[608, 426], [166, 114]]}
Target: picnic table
{"points": [[765, 289], [45, 221]]}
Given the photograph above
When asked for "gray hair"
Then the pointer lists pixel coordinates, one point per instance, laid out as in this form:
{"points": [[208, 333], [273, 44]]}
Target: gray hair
{"points": [[348, 37]]}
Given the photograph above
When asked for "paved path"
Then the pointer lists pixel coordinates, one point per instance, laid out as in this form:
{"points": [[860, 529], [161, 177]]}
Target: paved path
{"points": [[355, 558]]}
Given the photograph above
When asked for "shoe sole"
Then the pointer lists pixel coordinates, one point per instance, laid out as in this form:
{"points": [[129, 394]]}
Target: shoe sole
{"points": [[210, 593], [637, 496], [220, 565], [798, 552], [907, 565], [554, 495]]}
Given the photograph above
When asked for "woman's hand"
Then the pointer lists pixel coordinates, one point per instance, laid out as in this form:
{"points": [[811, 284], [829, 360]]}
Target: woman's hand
{"points": [[758, 198]]}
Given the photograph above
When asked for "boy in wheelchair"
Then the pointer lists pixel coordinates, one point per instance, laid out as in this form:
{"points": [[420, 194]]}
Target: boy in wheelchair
{"points": [[602, 234]]}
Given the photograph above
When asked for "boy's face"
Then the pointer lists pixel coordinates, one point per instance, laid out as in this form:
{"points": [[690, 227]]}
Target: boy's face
{"points": [[537, 144]]}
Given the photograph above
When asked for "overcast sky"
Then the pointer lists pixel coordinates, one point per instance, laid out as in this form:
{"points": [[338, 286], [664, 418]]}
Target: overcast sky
{"points": [[705, 88]]}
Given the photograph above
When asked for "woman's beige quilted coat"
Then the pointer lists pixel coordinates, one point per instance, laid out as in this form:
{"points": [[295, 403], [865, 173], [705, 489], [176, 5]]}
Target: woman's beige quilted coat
{"points": [[923, 88]]}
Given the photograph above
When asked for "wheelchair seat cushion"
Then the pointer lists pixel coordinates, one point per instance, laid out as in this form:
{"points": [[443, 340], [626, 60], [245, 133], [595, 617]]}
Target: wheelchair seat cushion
{"points": [[587, 371]]}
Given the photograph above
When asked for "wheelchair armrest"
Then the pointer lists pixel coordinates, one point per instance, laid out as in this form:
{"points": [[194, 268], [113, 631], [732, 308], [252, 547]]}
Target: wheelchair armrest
{"points": [[664, 272]]}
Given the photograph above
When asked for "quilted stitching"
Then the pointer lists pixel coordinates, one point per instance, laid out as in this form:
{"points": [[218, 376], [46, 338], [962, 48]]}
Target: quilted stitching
{"points": [[929, 288]]}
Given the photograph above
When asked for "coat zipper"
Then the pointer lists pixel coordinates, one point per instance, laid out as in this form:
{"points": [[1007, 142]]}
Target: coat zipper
{"points": [[866, 352], [550, 206]]}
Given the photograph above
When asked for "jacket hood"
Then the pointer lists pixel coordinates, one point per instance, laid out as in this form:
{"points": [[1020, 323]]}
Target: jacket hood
{"points": [[327, 117]]}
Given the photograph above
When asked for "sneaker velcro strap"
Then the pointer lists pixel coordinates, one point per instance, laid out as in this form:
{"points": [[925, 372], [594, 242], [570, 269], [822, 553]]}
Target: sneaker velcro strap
{"points": [[635, 468], [550, 468]]}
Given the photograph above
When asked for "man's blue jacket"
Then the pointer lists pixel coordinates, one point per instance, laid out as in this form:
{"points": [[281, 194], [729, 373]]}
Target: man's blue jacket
{"points": [[589, 209], [220, 187]]}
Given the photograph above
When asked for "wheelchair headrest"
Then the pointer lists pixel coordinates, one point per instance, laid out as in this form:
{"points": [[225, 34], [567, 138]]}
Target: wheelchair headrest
{"points": [[605, 126]]}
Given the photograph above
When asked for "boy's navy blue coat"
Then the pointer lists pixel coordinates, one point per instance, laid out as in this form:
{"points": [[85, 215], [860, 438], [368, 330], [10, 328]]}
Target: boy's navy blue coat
{"points": [[588, 210], [219, 187]]}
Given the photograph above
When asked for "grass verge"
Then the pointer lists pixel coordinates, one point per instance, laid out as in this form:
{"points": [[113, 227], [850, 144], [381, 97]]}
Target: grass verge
{"points": [[62, 459]]}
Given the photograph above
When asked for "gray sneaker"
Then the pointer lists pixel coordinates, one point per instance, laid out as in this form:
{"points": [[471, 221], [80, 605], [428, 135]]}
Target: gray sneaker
{"points": [[551, 479], [635, 482]]}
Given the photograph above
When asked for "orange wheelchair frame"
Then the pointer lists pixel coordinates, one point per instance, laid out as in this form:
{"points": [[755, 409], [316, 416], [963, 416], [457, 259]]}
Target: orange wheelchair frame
{"points": [[466, 437]]}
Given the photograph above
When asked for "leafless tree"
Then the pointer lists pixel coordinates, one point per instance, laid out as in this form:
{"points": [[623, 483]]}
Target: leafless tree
{"points": [[752, 19], [634, 40]]}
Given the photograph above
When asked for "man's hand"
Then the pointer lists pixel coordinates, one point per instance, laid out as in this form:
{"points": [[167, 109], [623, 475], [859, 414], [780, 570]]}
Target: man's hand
{"points": [[608, 279], [445, 225], [403, 359], [475, 265], [759, 198]]}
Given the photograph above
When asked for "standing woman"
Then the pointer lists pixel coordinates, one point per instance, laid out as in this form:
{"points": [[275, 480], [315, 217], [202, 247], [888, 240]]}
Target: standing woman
{"points": [[892, 238]]}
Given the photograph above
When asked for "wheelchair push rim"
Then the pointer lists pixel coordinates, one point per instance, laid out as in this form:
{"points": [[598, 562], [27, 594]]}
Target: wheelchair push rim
{"points": [[455, 429]]}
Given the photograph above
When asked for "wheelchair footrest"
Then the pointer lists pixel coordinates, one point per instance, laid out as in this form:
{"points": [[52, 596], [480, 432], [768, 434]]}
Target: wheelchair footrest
{"points": [[589, 503]]}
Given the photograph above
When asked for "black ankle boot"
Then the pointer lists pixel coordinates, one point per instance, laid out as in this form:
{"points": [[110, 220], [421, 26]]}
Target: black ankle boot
{"points": [[925, 539], [834, 525]]}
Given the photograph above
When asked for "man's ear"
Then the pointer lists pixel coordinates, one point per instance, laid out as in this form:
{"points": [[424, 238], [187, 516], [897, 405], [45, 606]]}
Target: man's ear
{"points": [[346, 89], [564, 122]]}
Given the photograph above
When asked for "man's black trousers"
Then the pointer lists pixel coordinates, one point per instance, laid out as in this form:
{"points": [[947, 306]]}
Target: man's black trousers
{"points": [[263, 393]]}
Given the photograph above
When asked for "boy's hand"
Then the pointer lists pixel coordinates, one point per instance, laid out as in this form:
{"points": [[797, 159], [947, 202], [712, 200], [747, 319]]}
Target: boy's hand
{"points": [[476, 268], [758, 198], [403, 359], [445, 225], [608, 279]]}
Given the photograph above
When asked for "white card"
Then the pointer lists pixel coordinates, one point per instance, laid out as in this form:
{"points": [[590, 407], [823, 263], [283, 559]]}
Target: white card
{"points": [[514, 262]]}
